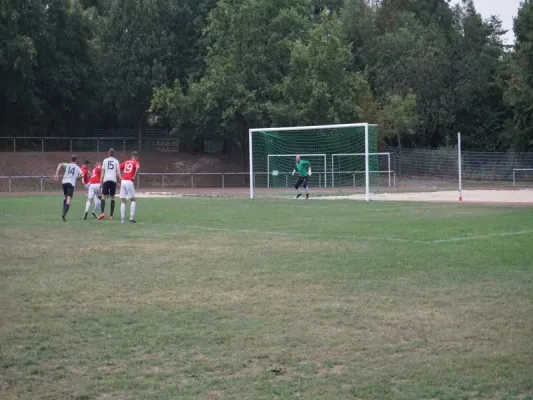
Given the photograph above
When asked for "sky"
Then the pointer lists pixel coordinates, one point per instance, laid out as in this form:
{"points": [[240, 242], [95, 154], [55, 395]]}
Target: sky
{"points": [[505, 9]]}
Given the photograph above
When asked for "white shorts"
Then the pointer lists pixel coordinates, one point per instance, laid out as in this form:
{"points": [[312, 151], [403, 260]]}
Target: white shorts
{"points": [[127, 190], [94, 190]]}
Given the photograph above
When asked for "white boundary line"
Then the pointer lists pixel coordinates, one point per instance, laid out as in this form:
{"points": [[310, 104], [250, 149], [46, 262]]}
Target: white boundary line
{"points": [[369, 238], [296, 234], [490, 235]]}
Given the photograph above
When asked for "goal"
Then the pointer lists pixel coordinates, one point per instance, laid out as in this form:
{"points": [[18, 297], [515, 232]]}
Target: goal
{"points": [[334, 152]]}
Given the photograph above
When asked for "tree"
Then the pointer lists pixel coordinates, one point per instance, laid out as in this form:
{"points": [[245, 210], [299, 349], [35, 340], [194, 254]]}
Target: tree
{"points": [[249, 52], [145, 44], [520, 93], [320, 87]]}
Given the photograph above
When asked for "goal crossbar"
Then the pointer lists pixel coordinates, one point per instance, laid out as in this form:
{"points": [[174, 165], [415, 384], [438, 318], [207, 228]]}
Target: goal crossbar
{"points": [[359, 154], [294, 155], [306, 128]]}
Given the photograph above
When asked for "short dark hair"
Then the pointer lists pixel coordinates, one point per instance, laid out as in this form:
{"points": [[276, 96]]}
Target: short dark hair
{"points": [[134, 154], [73, 158], [87, 162], [111, 152]]}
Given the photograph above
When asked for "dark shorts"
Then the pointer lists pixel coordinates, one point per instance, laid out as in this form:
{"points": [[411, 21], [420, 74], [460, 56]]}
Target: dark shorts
{"points": [[68, 189], [302, 180], [109, 188]]}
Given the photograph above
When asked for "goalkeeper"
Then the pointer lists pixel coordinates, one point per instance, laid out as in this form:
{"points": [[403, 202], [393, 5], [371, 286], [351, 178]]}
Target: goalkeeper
{"points": [[304, 171]]}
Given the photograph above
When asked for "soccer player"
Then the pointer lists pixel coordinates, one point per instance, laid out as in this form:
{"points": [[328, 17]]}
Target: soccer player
{"points": [[108, 182], [72, 172], [304, 171], [127, 188], [94, 190], [85, 175]]}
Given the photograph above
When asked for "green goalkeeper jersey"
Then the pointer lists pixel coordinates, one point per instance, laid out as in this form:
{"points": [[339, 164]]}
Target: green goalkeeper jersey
{"points": [[302, 167]]}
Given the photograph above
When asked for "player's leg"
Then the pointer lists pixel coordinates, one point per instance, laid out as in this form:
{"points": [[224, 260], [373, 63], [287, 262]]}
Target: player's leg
{"points": [[306, 187], [70, 194], [90, 197], [297, 186], [97, 205], [112, 192], [65, 192], [123, 198], [130, 188], [105, 192]]}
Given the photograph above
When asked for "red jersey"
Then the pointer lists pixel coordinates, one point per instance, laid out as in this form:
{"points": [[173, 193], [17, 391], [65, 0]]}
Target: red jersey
{"points": [[96, 175], [85, 176], [130, 168]]}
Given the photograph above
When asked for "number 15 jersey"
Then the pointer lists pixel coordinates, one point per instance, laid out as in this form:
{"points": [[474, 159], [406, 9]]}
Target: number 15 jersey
{"points": [[110, 166]]}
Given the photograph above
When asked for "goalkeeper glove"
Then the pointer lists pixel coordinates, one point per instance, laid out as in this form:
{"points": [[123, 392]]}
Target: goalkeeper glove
{"points": [[293, 172], [310, 172]]}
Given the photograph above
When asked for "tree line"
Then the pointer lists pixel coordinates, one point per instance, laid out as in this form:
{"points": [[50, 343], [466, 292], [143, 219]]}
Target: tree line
{"points": [[423, 70]]}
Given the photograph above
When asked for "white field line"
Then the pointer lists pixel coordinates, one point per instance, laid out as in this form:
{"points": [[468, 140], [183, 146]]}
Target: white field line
{"points": [[295, 234], [490, 235], [369, 238]]}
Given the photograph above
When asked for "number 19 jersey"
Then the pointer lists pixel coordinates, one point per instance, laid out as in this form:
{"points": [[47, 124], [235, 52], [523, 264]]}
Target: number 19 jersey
{"points": [[110, 167]]}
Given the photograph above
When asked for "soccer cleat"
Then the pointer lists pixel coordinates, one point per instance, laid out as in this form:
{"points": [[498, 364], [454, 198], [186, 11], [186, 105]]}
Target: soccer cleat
{"points": [[133, 221], [102, 216], [94, 215], [122, 221], [85, 217], [306, 196], [111, 218], [298, 195], [64, 219]]}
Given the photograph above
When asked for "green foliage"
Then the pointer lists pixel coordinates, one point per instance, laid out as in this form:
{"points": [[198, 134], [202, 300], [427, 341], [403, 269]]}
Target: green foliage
{"points": [[216, 68]]}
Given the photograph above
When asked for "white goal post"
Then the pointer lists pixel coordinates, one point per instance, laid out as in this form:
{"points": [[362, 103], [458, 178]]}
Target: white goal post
{"points": [[327, 139], [333, 172], [323, 156]]}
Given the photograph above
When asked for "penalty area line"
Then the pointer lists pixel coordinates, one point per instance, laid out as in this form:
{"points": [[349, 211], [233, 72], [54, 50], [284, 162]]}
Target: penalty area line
{"points": [[480, 237], [297, 234]]}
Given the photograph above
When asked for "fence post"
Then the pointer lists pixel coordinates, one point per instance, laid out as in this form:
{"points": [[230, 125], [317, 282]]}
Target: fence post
{"points": [[319, 180], [71, 145], [9, 184], [14, 144], [163, 180], [42, 145], [286, 181], [354, 179], [192, 181], [138, 182], [513, 178], [222, 181], [41, 183]]}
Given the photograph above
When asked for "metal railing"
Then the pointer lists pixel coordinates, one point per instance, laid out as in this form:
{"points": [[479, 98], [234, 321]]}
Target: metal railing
{"points": [[100, 143], [163, 180]]}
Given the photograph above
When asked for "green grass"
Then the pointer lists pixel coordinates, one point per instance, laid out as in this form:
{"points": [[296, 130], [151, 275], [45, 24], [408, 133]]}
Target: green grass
{"points": [[240, 299]]}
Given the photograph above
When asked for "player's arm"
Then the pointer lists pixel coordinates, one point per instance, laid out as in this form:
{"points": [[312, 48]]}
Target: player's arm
{"points": [[119, 176], [59, 166], [136, 172], [102, 174], [309, 172]]}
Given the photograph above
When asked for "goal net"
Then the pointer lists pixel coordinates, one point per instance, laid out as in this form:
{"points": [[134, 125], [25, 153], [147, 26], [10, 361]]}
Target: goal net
{"points": [[341, 157]]}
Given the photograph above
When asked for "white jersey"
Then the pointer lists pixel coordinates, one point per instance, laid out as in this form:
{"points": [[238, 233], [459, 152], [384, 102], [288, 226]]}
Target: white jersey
{"points": [[110, 167], [72, 172]]}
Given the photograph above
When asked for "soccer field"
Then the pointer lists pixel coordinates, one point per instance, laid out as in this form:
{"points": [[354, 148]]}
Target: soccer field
{"points": [[266, 299]]}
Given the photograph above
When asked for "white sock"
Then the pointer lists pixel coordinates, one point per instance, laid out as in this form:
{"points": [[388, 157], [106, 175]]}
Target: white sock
{"points": [[132, 210], [97, 203], [122, 211], [87, 205]]}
